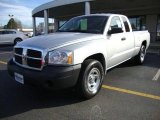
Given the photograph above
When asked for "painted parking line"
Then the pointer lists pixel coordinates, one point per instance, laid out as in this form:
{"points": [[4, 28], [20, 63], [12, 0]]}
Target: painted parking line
{"points": [[131, 92], [155, 78], [2, 62], [5, 53]]}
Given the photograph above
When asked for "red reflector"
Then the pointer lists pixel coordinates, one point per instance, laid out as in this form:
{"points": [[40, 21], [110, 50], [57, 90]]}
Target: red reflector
{"points": [[42, 62]]}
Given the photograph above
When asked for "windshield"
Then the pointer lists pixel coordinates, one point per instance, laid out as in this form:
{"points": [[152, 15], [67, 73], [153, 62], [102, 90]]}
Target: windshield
{"points": [[85, 24]]}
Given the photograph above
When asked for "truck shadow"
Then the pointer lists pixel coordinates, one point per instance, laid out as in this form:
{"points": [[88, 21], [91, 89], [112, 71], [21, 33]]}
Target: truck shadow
{"points": [[16, 98], [151, 60]]}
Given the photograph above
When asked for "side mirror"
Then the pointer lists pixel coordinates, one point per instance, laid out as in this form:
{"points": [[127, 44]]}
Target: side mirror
{"points": [[115, 30]]}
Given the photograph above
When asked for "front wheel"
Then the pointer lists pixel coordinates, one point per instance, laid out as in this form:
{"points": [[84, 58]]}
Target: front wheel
{"points": [[141, 56], [91, 77]]}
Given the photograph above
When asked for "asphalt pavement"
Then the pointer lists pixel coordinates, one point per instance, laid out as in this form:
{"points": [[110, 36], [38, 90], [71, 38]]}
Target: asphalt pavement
{"points": [[129, 92]]}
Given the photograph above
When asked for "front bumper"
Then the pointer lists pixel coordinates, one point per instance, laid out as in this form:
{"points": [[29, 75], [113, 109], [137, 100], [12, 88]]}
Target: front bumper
{"points": [[55, 77]]}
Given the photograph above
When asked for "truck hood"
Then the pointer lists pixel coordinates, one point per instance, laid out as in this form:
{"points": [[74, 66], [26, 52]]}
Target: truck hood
{"points": [[57, 40]]}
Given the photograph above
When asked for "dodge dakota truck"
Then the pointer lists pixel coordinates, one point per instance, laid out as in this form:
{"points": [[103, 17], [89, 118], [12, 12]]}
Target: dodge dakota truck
{"points": [[79, 54]]}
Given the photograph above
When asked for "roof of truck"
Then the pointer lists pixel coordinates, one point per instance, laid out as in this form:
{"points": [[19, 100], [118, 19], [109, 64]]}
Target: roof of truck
{"points": [[102, 14]]}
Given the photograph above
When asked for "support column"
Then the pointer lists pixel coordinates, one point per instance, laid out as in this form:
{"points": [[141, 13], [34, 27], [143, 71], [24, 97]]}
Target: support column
{"points": [[45, 22], [87, 8], [151, 23], [34, 26]]}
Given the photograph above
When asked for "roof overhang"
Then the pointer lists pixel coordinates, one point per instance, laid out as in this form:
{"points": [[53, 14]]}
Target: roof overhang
{"points": [[55, 4], [65, 9]]}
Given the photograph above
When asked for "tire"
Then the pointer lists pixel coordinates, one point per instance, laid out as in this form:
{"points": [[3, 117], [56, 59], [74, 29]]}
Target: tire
{"points": [[139, 59], [90, 79], [17, 40]]}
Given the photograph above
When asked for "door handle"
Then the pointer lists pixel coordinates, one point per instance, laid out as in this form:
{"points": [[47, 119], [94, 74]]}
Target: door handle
{"points": [[123, 38]]}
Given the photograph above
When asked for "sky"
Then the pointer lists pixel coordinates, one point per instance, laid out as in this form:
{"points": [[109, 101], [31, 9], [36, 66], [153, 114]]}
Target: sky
{"points": [[20, 9]]}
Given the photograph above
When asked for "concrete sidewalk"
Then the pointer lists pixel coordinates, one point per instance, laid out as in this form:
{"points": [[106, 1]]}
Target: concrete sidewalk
{"points": [[154, 48]]}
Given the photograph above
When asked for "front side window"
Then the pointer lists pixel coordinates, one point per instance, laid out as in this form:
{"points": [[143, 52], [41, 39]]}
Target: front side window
{"points": [[115, 23], [9, 32], [85, 24], [4, 32], [115, 26]]}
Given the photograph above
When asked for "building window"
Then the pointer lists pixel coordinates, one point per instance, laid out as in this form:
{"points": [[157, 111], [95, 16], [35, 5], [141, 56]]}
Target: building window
{"points": [[50, 25], [158, 28], [39, 26], [138, 23]]}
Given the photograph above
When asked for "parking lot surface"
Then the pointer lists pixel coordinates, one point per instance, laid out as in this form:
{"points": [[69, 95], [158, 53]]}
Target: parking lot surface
{"points": [[129, 92]]}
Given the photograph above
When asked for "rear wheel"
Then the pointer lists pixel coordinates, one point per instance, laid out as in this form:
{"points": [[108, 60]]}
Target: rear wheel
{"points": [[91, 77], [141, 56], [17, 40]]}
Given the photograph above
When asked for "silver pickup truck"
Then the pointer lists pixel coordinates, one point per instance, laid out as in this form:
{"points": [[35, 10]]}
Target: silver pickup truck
{"points": [[79, 53]]}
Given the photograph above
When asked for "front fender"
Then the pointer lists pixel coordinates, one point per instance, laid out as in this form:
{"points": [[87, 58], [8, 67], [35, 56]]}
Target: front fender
{"points": [[85, 49], [88, 49]]}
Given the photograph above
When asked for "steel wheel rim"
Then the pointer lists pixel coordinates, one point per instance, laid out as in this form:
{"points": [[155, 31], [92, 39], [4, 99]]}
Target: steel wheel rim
{"points": [[143, 52], [93, 81]]}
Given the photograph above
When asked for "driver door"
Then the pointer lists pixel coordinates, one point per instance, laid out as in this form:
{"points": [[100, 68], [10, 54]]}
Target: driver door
{"points": [[115, 42]]}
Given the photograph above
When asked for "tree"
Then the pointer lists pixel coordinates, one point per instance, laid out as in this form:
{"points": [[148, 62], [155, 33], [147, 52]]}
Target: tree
{"points": [[12, 24], [5, 27], [19, 24]]}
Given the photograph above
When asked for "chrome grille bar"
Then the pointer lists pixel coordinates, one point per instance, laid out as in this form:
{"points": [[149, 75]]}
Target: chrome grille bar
{"points": [[22, 59]]}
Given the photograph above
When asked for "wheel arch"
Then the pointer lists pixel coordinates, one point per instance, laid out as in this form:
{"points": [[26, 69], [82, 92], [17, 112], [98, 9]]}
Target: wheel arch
{"points": [[144, 42], [17, 38], [99, 57]]}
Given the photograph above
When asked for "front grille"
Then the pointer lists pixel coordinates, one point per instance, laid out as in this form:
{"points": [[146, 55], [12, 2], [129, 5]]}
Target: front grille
{"points": [[34, 63], [28, 58], [18, 59], [34, 53], [18, 51]]}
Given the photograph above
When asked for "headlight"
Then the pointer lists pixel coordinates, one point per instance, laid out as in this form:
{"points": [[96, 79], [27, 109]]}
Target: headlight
{"points": [[60, 57]]}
